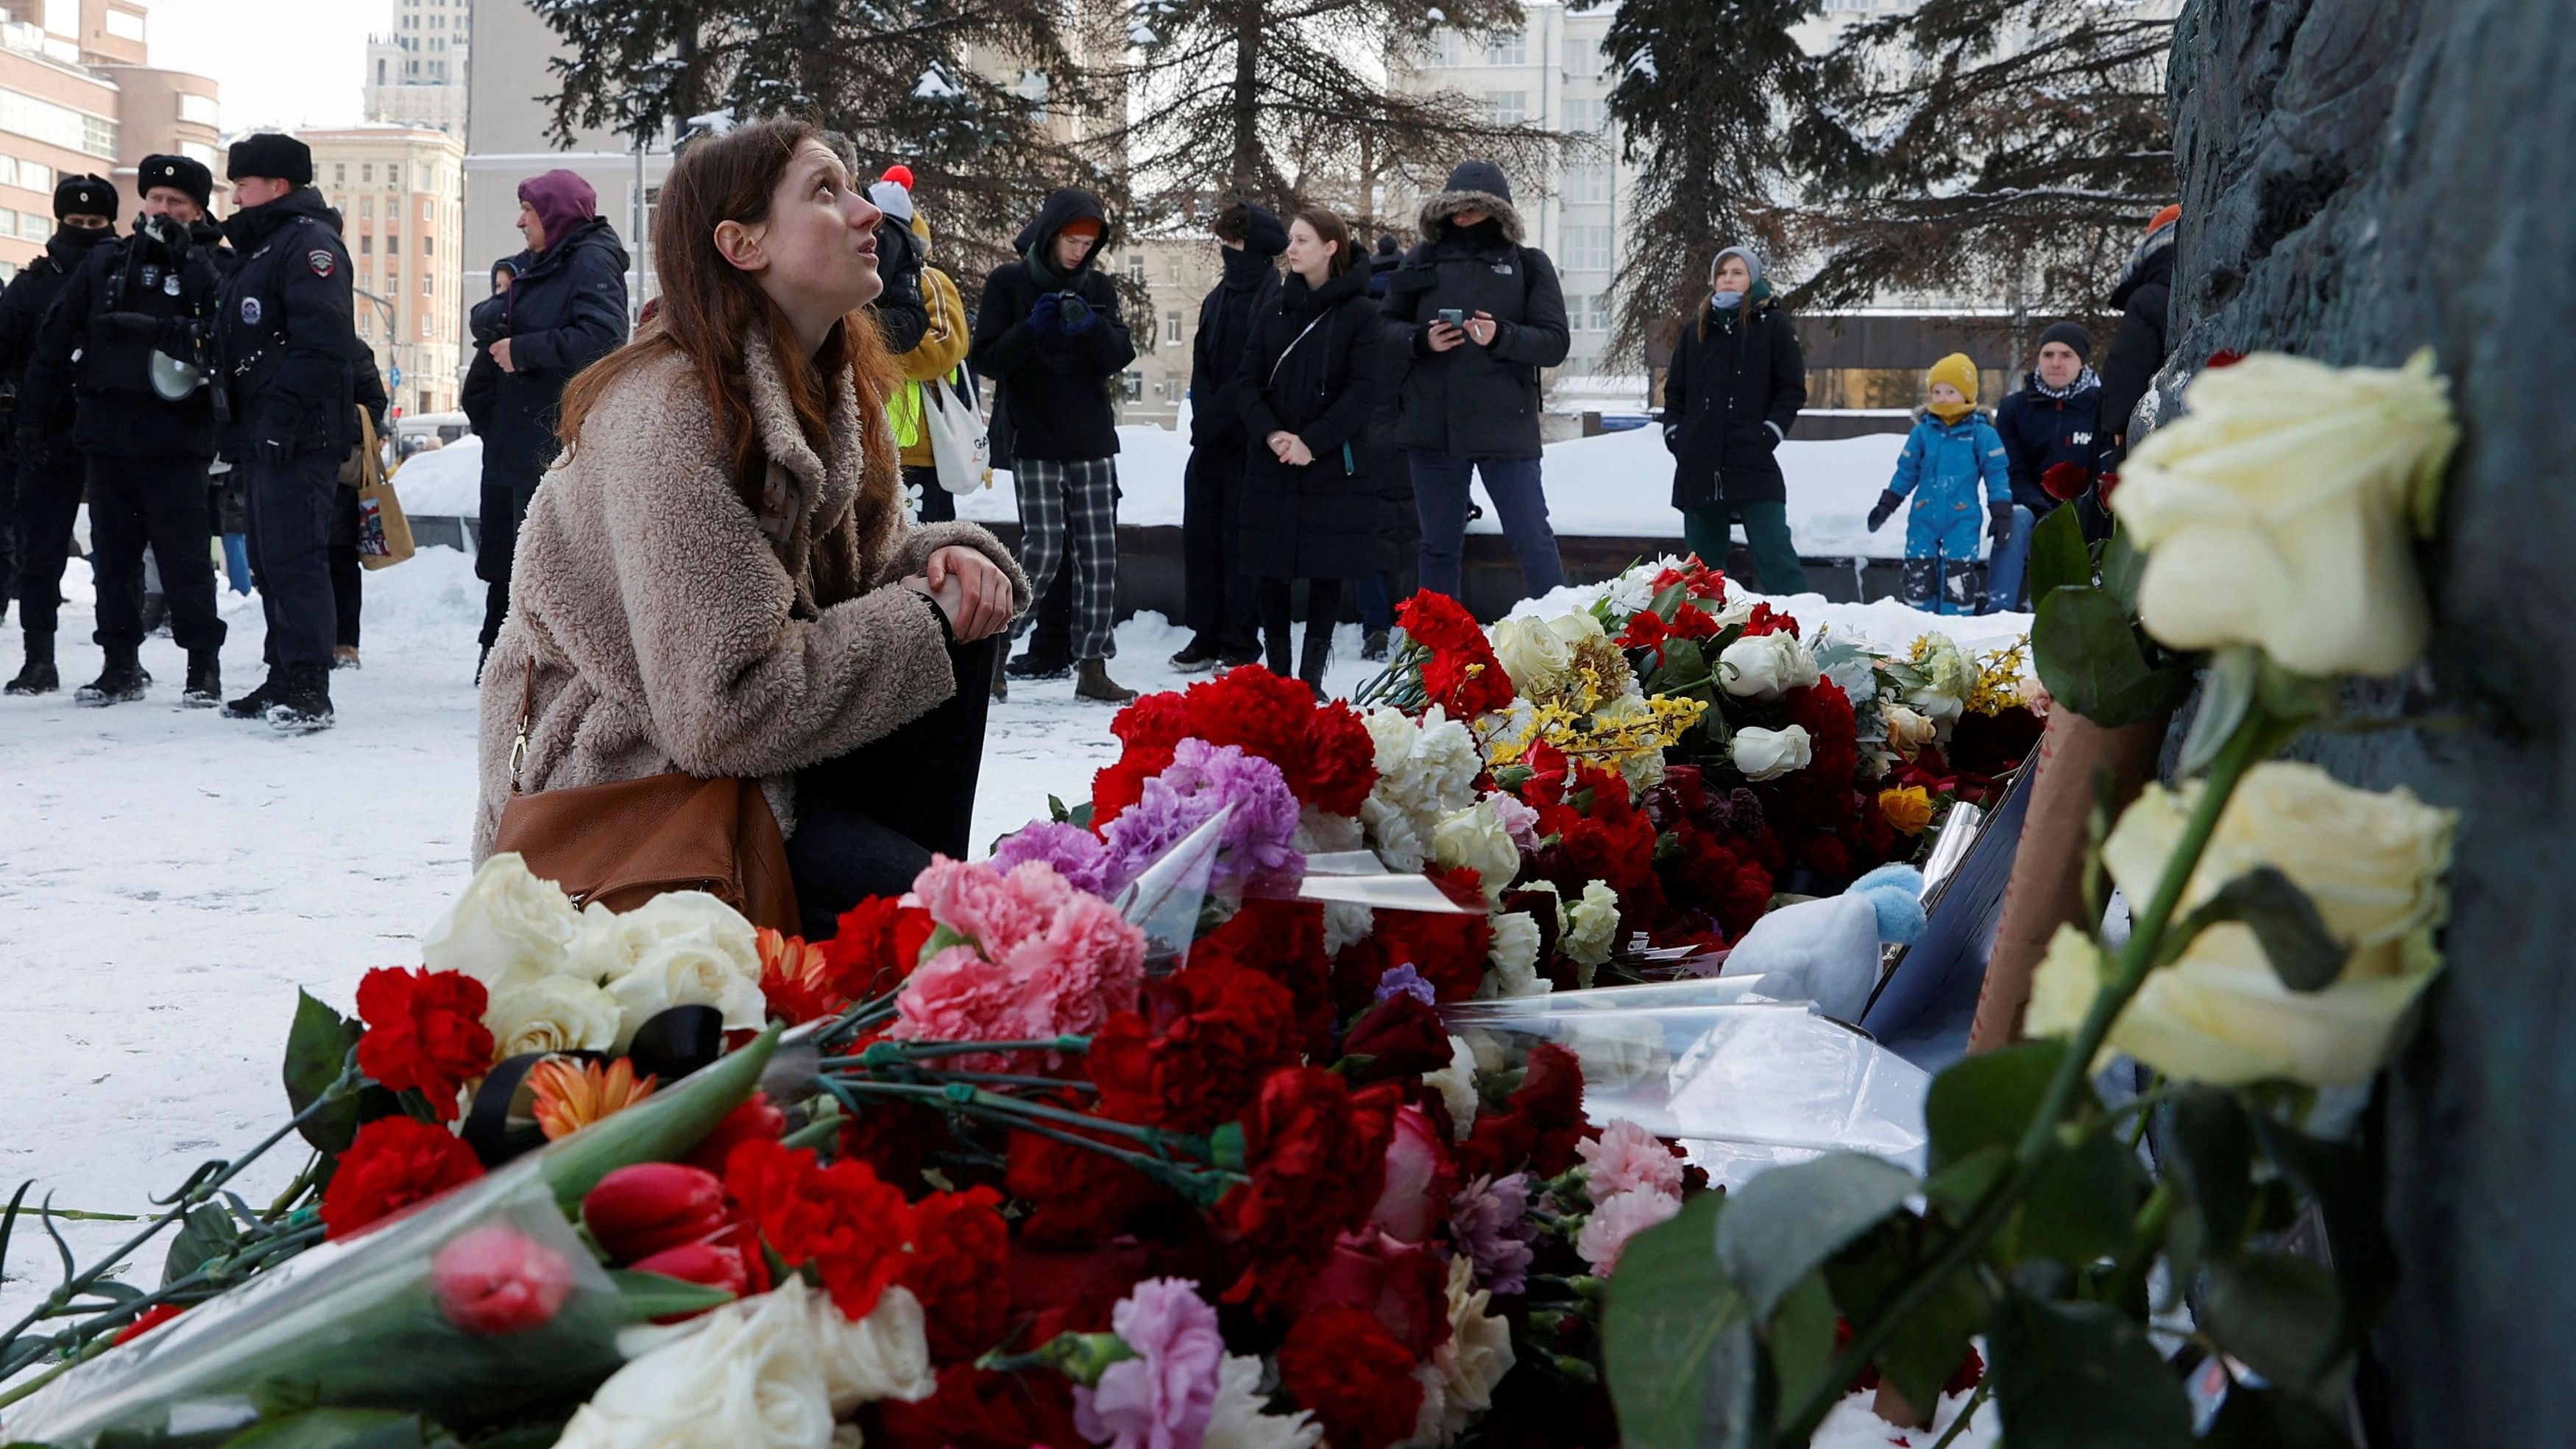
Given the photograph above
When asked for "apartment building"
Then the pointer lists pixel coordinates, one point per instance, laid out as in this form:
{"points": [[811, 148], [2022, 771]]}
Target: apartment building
{"points": [[78, 95], [416, 67], [399, 191]]}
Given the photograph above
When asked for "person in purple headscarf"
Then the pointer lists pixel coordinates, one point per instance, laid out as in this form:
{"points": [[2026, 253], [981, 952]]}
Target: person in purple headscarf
{"points": [[565, 310]]}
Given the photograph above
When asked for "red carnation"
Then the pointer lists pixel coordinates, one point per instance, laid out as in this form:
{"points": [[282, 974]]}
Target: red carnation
{"points": [[961, 1252], [1195, 1050], [1400, 1036], [875, 946], [1704, 872], [1283, 940], [1449, 951], [393, 1163], [2066, 481], [1323, 750], [895, 1139], [850, 1227], [1462, 675], [1077, 1198], [982, 1409], [1356, 1377], [1538, 1126], [425, 1033], [757, 1120], [1690, 621], [1766, 620], [1646, 630], [1701, 581], [1316, 1155]]}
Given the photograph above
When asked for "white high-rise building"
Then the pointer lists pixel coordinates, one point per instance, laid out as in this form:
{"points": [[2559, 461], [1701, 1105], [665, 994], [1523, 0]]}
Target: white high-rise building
{"points": [[416, 68]]}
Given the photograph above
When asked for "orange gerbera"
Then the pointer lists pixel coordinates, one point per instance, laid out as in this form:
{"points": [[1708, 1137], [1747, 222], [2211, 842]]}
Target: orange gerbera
{"points": [[571, 1095]]}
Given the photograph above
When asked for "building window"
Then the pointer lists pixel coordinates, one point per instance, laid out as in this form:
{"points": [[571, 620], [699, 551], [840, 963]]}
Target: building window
{"points": [[367, 207], [1443, 51], [367, 174], [428, 209], [1585, 117], [393, 176], [1134, 391], [35, 176], [1136, 268], [426, 286], [125, 25], [57, 125], [424, 324], [425, 249], [366, 244], [8, 171], [1507, 48], [1506, 108], [1172, 328], [1583, 57], [339, 173], [393, 283], [1587, 248], [200, 109], [1599, 313], [1587, 183]]}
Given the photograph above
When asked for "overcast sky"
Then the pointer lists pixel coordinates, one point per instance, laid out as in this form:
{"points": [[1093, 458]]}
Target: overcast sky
{"points": [[281, 63]]}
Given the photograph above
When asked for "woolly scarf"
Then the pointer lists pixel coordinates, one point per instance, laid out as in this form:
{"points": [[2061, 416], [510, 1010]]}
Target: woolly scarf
{"points": [[2087, 378]]}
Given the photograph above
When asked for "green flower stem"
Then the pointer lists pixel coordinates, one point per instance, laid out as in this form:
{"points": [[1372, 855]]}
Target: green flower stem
{"points": [[2242, 750], [1967, 1411], [995, 1105]]}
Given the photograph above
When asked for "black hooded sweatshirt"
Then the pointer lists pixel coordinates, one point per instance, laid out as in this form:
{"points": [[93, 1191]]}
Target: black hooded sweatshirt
{"points": [[1250, 287], [1051, 384], [2145, 300]]}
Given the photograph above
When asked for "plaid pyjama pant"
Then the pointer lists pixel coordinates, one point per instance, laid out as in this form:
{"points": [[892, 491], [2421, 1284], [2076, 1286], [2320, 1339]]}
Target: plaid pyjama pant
{"points": [[1071, 508]]}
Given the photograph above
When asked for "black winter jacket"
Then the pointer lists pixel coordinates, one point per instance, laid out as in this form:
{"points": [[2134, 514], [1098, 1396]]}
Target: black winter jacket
{"points": [[2040, 432], [1471, 401], [1050, 385], [1312, 367], [1250, 288], [1733, 394], [901, 313], [565, 311], [23, 306], [285, 333], [2145, 300], [132, 297]]}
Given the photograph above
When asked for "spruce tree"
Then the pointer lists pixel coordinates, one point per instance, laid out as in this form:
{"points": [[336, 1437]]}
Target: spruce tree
{"points": [[2003, 148], [915, 81]]}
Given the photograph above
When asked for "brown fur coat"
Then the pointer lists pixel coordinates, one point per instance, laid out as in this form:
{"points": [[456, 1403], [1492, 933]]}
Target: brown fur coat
{"points": [[674, 629]]}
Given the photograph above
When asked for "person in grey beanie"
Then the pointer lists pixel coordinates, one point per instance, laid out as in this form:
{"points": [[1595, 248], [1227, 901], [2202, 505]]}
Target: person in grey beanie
{"points": [[1737, 383]]}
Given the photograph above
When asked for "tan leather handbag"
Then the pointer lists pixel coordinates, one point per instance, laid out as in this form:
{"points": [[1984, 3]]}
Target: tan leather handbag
{"points": [[625, 842]]}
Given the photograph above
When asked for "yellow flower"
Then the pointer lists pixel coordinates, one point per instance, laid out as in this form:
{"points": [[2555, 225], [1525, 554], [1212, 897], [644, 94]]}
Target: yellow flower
{"points": [[1908, 809], [571, 1095], [2277, 512]]}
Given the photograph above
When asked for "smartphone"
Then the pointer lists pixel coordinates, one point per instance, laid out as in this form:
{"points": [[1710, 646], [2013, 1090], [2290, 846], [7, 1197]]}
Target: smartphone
{"points": [[1454, 316]]}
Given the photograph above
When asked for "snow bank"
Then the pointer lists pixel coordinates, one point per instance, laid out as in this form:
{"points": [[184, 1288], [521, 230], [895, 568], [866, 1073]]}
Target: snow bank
{"points": [[443, 482]]}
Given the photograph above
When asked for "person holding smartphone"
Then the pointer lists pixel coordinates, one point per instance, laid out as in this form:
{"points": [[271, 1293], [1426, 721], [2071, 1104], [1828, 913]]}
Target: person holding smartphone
{"points": [[1478, 314]]}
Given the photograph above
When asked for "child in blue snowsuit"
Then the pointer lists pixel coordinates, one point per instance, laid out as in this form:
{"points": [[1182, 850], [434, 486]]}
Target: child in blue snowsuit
{"points": [[1952, 450]]}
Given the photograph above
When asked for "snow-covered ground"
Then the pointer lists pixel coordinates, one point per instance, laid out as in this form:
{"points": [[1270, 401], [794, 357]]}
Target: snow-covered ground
{"points": [[1618, 485], [169, 878]]}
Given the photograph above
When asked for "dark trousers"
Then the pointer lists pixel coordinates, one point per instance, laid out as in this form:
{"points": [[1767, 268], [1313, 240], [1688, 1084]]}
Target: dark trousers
{"points": [[503, 508], [868, 822], [938, 505], [8, 532], [348, 592], [1377, 603], [1708, 531], [1323, 611], [160, 503], [49, 498], [1440, 496], [292, 506], [1220, 604]]}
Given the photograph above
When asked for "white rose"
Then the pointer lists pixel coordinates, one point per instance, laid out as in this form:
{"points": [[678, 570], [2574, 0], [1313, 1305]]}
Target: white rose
{"points": [[1591, 926], [1536, 657], [1513, 959], [2372, 863], [693, 968], [1238, 1419], [1907, 731], [1344, 923], [742, 1376], [551, 1014], [509, 927], [1762, 754], [1456, 1084], [1766, 666], [2276, 513], [885, 1355], [1464, 1370], [613, 943], [1477, 838]]}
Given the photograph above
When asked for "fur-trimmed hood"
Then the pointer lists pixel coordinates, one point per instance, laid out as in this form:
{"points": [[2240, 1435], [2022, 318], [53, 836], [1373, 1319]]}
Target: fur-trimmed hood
{"points": [[1474, 186]]}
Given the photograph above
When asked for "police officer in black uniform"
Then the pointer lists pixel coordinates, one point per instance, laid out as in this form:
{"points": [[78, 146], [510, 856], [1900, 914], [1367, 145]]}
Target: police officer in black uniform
{"points": [[284, 340], [47, 468], [122, 342]]}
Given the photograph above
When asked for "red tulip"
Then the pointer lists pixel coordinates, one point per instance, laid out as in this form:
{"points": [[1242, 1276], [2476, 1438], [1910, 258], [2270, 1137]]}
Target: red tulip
{"points": [[638, 1211], [716, 1265], [2067, 481], [499, 1280]]}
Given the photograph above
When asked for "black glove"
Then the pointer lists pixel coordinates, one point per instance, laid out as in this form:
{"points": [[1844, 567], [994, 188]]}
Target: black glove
{"points": [[1888, 499], [272, 440], [31, 442], [1076, 315], [1999, 522], [123, 327]]}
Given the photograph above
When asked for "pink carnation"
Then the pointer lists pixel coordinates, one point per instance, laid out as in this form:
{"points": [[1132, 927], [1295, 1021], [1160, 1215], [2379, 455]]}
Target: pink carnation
{"points": [[1163, 1397], [1627, 1157], [1606, 1233], [1046, 960]]}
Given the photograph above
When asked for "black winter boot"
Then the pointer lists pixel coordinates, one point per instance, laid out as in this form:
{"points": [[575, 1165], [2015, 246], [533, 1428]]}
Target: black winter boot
{"points": [[1001, 674], [1095, 683], [1318, 653], [205, 680], [1374, 647], [1032, 663], [254, 705], [37, 675], [121, 682], [302, 703]]}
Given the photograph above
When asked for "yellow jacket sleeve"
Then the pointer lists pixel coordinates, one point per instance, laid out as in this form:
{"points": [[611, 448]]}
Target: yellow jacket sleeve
{"points": [[944, 345]]}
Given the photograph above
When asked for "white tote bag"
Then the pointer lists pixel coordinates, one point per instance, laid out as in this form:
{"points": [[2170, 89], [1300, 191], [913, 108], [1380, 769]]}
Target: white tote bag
{"points": [[958, 442]]}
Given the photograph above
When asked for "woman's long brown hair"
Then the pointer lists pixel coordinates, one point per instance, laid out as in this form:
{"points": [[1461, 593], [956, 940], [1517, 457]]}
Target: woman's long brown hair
{"points": [[709, 306]]}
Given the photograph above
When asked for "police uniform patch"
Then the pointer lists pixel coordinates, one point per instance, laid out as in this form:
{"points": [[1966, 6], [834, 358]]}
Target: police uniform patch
{"points": [[320, 261], [170, 284], [250, 311], [151, 275]]}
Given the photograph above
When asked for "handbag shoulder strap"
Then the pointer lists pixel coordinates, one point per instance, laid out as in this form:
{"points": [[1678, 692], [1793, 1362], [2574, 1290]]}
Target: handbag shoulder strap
{"points": [[527, 717]]}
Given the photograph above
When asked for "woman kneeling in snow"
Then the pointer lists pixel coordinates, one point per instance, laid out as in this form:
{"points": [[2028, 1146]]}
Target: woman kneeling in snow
{"points": [[717, 577]]}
